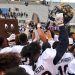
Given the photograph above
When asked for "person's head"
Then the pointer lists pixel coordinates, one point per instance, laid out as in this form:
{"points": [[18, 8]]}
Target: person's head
{"points": [[16, 71], [32, 51], [9, 60], [23, 38], [70, 34], [45, 45]]}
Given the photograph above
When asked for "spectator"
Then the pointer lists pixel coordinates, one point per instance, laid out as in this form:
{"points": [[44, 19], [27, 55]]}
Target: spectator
{"points": [[72, 35]]}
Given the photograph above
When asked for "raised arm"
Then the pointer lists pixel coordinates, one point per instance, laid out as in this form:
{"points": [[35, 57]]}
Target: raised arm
{"points": [[41, 33]]}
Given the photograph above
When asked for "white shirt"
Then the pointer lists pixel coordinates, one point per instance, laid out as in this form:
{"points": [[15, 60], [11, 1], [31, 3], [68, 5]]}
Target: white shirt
{"points": [[6, 49], [17, 48], [71, 67], [28, 69], [45, 62], [63, 63]]}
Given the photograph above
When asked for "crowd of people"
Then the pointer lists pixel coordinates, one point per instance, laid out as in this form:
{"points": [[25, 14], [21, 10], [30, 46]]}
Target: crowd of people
{"points": [[12, 13], [39, 52]]}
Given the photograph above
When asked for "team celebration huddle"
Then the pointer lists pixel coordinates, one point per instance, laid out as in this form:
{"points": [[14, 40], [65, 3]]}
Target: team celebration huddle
{"points": [[41, 50]]}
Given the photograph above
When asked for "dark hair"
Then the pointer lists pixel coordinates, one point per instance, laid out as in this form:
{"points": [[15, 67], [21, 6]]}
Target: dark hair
{"points": [[45, 45], [71, 33], [55, 44], [34, 47], [16, 71], [9, 60], [25, 51], [23, 38], [1, 40], [31, 49]]}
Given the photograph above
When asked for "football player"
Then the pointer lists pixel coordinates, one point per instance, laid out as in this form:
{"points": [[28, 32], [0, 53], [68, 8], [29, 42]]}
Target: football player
{"points": [[50, 57]]}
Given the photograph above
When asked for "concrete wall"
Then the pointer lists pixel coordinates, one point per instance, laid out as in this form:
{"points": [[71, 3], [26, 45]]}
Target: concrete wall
{"points": [[41, 10]]}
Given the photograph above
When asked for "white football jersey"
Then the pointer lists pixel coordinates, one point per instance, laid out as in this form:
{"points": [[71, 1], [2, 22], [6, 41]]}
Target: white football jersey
{"points": [[71, 67], [28, 69], [63, 63], [6, 49], [45, 63], [17, 48]]}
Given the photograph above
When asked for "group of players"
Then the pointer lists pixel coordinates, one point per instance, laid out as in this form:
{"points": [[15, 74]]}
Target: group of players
{"points": [[41, 55]]}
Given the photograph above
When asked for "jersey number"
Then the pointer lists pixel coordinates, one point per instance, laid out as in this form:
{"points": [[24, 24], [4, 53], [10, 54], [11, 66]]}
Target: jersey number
{"points": [[62, 70]]}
